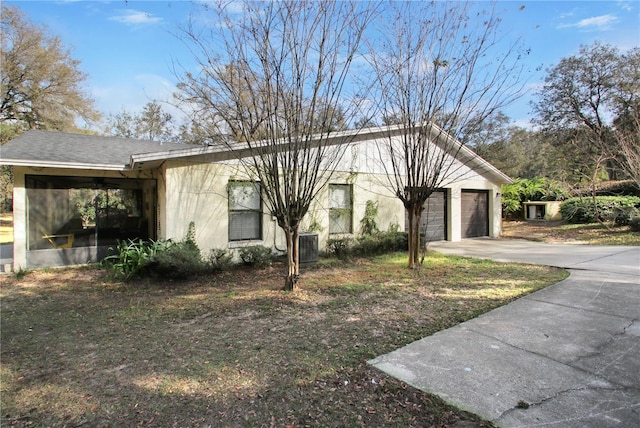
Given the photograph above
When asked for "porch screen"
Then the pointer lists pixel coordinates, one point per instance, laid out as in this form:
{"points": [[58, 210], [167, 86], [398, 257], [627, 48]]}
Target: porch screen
{"points": [[245, 211], [340, 208], [69, 212]]}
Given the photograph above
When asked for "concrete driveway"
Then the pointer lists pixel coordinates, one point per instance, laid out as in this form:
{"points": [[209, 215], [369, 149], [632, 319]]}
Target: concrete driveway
{"points": [[565, 356]]}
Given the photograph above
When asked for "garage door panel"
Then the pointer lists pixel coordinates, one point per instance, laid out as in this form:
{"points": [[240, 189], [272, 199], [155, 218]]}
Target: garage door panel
{"points": [[475, 213], [434, 217]]}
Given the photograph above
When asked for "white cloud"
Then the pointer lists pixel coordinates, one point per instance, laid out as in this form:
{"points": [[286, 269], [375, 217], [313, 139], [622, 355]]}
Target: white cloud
{"points": [[595, 23], [625, 5], [135, 17]]}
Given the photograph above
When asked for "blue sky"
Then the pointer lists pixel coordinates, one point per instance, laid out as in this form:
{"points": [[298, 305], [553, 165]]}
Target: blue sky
{"points": [[128, 48]]}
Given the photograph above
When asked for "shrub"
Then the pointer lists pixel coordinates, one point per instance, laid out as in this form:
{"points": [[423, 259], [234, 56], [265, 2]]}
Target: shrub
{"points": [[258, 256], [132, 257], [219, 259], [368, 245], [606, 208], [533, 189], [339, 247], [625, 215], [634, 223], [382, 242], [179, 260]]}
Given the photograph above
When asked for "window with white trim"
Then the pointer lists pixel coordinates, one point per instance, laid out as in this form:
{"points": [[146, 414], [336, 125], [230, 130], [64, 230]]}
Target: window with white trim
{"points": [[245, 211], [340, 209]]}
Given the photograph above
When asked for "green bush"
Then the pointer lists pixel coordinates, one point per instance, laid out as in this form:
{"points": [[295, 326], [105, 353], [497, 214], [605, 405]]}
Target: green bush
{"points": [[339, 247], [132, 256], [606, 208], [635, 224], [179, 260], [368, 245], [219, 259], [258, 256], [625, 215], [533, 189]]}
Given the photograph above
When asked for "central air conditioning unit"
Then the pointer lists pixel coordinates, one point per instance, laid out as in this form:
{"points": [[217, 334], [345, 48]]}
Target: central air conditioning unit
{"points": [[308, 247]]}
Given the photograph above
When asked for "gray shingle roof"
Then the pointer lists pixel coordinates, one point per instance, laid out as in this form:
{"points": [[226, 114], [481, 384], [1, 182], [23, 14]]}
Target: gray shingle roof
{"points": [[38, 147]]}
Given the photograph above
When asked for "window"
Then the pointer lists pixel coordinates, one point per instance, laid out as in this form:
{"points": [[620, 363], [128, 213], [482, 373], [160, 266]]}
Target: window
{"points": [[245, 211], [340, 209]]}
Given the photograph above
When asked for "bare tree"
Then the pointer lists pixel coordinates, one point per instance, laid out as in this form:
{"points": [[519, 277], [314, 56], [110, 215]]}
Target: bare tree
{"points": [[627, 122], [271, 76], [438, 66]]}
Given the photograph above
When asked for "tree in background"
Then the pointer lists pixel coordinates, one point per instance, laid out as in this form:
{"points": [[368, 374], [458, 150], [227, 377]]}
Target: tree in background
{"points": [[437, 68], [272, 76], [40, 86], [627, 121], [516, 151], [153, 123], [580, 99], [41, 83]]}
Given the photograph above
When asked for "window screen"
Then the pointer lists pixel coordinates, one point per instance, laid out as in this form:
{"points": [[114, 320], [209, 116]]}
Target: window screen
{"points": [[340, 208], [245, 211]]}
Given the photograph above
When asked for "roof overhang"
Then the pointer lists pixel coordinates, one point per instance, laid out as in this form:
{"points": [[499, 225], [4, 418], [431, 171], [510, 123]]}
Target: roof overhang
{"points": [[62, 165]]}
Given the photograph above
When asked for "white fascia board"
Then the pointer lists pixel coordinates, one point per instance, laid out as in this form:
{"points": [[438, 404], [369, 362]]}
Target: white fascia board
{"points": [[68, 165], [140, 158]]}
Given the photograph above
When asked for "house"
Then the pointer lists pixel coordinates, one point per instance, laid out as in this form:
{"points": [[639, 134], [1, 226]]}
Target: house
{"points": [[76, 195]]}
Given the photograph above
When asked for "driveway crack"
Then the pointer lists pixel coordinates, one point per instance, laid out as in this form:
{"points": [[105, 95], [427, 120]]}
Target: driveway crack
{"points": [[523, 406]]}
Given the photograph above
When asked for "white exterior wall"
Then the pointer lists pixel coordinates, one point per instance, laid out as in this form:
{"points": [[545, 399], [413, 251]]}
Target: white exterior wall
{"points": [[198, 193]]}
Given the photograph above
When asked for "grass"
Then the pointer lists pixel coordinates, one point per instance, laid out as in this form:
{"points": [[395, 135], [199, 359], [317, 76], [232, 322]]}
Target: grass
{"points": [[562, 232], [232, 349]]}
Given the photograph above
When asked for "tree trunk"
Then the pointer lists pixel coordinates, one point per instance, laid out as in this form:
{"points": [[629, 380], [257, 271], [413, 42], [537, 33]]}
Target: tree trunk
{"points": [[293, 264], [414, 237]]}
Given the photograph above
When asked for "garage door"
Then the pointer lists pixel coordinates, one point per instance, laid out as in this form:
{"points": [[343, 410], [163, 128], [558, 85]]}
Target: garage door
{"points": [[475, 213], [434, 217]]}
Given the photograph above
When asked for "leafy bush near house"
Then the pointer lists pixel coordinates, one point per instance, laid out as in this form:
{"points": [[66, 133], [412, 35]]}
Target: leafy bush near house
{"points": [[605, 208], [339, 247], [368, 245], [179, 260], [162, 258], [219, 259], [533, 189], [132, 257], [258, 256]]}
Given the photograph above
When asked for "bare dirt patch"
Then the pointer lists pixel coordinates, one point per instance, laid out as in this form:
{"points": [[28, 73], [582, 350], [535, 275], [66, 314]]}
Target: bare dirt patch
{"points": [[560, 232]]}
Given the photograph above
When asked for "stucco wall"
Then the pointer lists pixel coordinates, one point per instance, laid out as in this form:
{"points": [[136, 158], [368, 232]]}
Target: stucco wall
{"points": [[198, 193]]}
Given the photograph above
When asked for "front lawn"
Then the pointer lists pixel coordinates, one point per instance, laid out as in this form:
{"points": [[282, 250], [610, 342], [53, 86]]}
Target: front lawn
{"points": [[232, 349]]}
